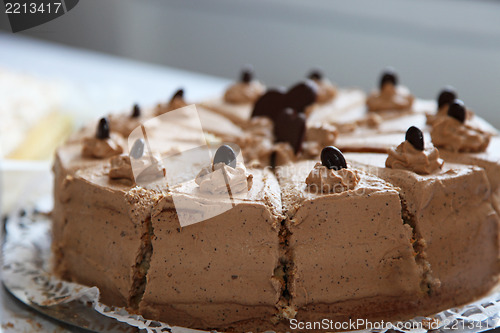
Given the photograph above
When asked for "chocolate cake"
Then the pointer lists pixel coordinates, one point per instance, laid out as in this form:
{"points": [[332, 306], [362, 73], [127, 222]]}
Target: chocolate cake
{"points": [[241, 214]]}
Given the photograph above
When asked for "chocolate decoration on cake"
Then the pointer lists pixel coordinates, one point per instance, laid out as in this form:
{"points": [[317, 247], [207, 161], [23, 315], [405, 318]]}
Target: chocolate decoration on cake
{"points": [[270, 104], [457, 110], [415, 137], [103, 129], [316, 74], [446, 96], [290, 126], [297, 98], [247, 74], [302, 95], [388, 76], [178, 94], [332, 158], [136, 111], [137, 150], [225, 154]]}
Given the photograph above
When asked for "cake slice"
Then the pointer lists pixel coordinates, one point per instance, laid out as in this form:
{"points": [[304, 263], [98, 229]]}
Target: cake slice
{"points": [[489, 160], [223, 272], [104, 244], [451, 210], [462, 141], [350, 253]]}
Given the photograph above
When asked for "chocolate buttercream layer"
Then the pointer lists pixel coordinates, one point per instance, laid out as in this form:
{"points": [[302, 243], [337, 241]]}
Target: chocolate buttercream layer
{"points": [[451, 211]]}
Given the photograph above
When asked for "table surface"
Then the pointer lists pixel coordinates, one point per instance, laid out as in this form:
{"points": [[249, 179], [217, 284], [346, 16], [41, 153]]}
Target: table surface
{"points": [[102, 84]]}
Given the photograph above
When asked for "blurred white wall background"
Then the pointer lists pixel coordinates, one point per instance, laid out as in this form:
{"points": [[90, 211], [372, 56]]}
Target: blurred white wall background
{"points": [[430, 42]]}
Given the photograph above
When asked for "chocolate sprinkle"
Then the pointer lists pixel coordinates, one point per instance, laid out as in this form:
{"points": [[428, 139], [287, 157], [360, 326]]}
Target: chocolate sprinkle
{"points": [[332, 158], [316, 74], [457, 110], [103, 129], [415, 137], [446, 96], [388, 76], [290, 126], [246, 74], [137, 150], [226, 155], [136, 111]]}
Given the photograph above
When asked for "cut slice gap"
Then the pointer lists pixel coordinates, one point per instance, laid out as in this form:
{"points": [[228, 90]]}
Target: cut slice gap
{"points": [[429, 284], [285, 271], [142, 265]]}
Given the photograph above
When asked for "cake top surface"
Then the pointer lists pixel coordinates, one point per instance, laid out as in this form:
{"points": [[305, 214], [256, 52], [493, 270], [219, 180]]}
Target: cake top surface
{"points": [[295, 190]]}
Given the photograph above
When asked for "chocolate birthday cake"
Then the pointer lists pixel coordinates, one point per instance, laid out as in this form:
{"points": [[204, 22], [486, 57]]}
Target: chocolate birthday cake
{"points": [[266, 205]]}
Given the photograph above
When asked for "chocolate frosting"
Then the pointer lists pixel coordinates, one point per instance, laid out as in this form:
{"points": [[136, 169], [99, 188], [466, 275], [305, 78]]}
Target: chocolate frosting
{"points": [[244, 92], [326, 180], [318, 136], [407, 157], [121, 168], [213, 179], [326, 90], [390, 97], [102, 148], [450, 134], [176, 102]]}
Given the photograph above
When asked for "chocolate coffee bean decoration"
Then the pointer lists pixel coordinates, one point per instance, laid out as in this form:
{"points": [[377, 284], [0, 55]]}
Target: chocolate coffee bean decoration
{"points": [[290, 126], [316, 74], [457, 110], [247, 74], [415, 137], [226, 155], [446, 96], [137, 150], [178, 94], [103, 129], [388, 76], [136, 111], [332, 158], [302, 95]]}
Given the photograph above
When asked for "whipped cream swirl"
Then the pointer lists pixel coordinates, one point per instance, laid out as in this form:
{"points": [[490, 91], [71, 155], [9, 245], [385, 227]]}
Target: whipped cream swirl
{"points": [[450, 134], [407, 157], [121, 168], [390, 98], [431, 119], [244, 92], [221, 178], [324, 180], [102, 148], [326, 91], [175, 103], [317, 137], [124, 124]]}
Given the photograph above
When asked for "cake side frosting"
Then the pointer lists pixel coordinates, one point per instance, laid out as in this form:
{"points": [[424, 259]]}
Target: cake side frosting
{"points": [[376, 227]]}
